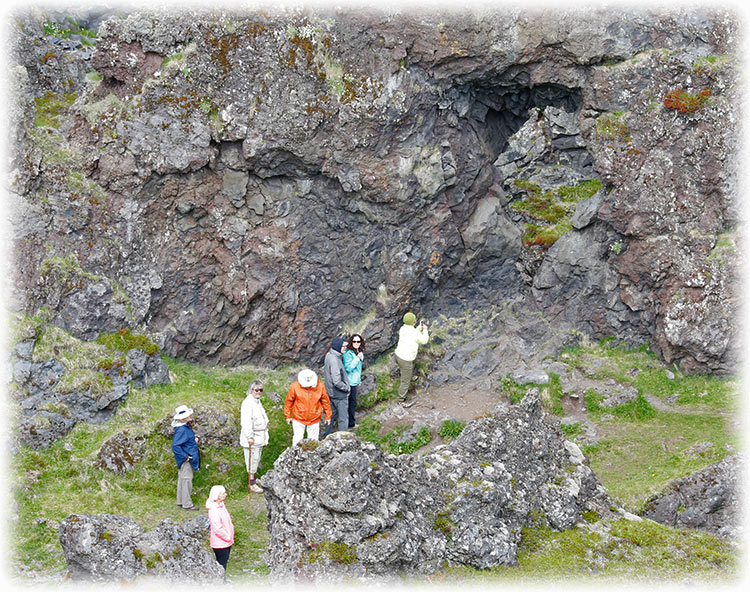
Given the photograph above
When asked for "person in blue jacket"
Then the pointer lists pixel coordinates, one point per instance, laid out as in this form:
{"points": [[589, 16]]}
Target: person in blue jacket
{"points": [[353, 358], [186, 455]]}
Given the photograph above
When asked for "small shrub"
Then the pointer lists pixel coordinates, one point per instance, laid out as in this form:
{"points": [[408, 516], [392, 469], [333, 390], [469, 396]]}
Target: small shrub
{"points": [[686, 102], [451, 428], [616, 247]]}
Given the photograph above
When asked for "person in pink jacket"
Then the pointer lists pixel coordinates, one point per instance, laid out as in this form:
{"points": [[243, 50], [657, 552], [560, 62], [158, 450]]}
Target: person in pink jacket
{"points": [[221, 535]]}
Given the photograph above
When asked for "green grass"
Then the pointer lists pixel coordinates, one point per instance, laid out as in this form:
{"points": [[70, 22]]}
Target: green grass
{"points": [[50, 484], [641, 449], [125, 340], [451, 428], [636, 459], [626, 553], [393, 441]]}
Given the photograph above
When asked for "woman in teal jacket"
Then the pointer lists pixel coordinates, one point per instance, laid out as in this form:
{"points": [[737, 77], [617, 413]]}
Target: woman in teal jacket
{"points": [[353, 358]]}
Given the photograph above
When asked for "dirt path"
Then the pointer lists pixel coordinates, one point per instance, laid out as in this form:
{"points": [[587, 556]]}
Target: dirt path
{"points": [[435, 405], [467, 401]]}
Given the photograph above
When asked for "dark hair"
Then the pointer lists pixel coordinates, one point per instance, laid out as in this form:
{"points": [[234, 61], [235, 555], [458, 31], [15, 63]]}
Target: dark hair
{"points": [[361, 344]]}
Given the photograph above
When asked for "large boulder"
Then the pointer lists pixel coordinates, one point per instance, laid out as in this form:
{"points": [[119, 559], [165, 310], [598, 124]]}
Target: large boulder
{"points": [[709, 499], [121, 452], [112, 548], [343, 507]]}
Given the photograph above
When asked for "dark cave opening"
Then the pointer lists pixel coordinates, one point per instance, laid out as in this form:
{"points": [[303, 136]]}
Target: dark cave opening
{"points": [[498, 111]]}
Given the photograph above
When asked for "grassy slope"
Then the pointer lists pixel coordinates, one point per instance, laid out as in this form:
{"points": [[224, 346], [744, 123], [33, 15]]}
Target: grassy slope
{"points": [[635, 457]]}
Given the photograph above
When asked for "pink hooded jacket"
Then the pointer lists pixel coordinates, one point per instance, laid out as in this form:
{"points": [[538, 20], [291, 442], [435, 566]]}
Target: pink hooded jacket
{"points": [[222, 530]]}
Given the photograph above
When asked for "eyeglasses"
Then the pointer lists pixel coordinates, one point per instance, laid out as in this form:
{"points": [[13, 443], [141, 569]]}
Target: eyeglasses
{"points": [[356, 341], [258, 390]]}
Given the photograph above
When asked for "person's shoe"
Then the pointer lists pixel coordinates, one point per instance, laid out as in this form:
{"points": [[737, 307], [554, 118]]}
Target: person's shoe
{"points": [[192, 508], [255, 488], [407, 404]]}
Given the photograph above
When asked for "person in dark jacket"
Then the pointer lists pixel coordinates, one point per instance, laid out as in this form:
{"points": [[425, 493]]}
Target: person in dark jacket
{"points": [[337, 386], [186, 455]]}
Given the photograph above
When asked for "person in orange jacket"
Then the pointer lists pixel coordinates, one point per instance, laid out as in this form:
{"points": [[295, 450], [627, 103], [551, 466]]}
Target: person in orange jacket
{"points": [[306, 400]]}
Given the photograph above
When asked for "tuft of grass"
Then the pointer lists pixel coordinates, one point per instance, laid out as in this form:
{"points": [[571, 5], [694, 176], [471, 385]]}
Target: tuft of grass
{"points": [[125, 340], [451, 428], [386, 391], [638, 410], [393, 441]]}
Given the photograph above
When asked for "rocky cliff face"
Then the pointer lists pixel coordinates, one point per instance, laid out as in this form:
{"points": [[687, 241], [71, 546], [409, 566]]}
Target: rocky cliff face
{"points": [[249, 184]]}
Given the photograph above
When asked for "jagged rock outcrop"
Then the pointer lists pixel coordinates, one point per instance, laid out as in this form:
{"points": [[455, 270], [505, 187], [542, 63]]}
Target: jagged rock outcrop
{"points": [[112, 548], [342, 507], [709, 499], [247, 183], [59, 381]]}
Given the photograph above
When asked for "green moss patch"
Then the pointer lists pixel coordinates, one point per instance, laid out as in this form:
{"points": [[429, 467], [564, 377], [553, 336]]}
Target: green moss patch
{"points": [[549, 212]]}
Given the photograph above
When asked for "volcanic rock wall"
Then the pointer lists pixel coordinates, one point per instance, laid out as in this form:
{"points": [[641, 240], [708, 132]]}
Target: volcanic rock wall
{"points": [[249, 184]]}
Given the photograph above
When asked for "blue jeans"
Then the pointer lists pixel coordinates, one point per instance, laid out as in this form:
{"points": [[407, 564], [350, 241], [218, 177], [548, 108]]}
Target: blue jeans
{"points": [[340, 412]]}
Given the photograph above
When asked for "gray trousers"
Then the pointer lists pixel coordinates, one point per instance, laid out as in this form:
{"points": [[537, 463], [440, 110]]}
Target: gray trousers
{"points": [[340, 412], [406, 369], [185, 485]]}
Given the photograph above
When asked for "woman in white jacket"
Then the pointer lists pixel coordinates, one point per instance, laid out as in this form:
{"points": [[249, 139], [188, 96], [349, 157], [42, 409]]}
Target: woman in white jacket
{"points": [[254, 433]]}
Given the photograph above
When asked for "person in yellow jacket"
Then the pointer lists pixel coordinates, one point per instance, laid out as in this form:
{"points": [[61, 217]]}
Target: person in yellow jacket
{"points": [[306, 399], [409, 340]]}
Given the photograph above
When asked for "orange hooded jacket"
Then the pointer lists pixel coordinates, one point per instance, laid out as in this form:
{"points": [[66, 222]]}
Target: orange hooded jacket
{"points": [[305, 404]]}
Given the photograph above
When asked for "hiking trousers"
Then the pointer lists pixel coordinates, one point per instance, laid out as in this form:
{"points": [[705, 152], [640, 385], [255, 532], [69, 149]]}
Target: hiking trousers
{"points": [[252, 458], [185, 485], [406, 369], [340, 413], [299, 429]]}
